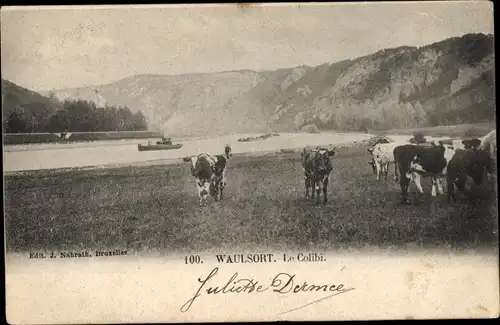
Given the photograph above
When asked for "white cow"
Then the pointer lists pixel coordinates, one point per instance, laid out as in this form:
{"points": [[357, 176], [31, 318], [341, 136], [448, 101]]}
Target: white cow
{"points": [[489, 143], [382, 157]]}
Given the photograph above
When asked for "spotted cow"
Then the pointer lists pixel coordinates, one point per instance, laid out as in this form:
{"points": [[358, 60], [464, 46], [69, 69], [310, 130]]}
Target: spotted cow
{"points": [[317, 167], [210, 174], [382, 157], [414, 161]]}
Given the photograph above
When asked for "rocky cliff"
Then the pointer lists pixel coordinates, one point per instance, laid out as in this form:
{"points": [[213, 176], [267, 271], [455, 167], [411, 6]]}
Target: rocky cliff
{"points": [[447, 82]]}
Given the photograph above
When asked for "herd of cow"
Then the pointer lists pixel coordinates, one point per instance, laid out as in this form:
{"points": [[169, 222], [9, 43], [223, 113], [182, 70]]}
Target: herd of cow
{"points": [[454, 160]]}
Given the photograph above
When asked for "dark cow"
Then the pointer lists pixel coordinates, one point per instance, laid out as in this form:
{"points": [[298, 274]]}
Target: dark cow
{"points": [[467, 163], [210, 174], [317, 168], [414, 161]]}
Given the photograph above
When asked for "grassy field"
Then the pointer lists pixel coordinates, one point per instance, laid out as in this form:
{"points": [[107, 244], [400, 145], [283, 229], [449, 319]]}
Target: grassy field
{"points": [[155, 208]]}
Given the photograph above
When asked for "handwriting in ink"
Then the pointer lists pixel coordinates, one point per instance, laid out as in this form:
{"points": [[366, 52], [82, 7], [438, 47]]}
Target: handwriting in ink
{"points": [[282, 283]]}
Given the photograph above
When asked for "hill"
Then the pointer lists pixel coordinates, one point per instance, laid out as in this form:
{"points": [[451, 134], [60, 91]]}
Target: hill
{"points": [[25, 111], [31, 105], [447, 82]]}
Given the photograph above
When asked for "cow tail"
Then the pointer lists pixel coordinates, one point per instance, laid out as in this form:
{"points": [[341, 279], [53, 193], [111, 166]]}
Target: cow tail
{"points": [[396, 170]]}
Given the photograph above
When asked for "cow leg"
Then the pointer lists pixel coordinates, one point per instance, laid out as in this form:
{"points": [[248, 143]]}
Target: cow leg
{"points": [[317, 189], [313, 188], [437, 186], [378, 167], [416, 179], [202, 193], [200, 196], [386, 172], [451, 188], [440, 190], [325, 190], [213, 188], [396, 174], [404, 182], [204, 199], [434, 186], [221, 190], [460, 183], [223, 185], [224, 178], [373, 165], [308, 185]]}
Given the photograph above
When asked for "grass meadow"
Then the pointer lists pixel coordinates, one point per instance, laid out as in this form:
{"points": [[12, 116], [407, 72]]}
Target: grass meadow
{"points": [[155, 208]]}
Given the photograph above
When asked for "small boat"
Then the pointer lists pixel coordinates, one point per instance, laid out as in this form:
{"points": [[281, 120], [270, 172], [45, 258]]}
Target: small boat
{"points": [[151, 147]]}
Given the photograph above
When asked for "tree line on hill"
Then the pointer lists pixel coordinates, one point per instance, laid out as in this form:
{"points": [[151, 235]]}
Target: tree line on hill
{"points": [[53, 116]]}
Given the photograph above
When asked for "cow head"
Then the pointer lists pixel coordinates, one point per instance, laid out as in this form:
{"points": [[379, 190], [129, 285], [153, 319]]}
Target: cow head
{"points": [[471, 144], [193, 164], [331, 152], [192, 160], [372, 162], [379, 140], [322, 162]]}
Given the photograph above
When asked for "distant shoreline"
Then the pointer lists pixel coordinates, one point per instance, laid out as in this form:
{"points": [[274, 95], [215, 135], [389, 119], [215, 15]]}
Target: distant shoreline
{"points": [[19, 139], [123, 153]]}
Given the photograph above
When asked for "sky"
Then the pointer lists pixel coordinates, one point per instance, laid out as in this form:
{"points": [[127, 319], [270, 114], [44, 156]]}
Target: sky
{"points": [[63, 47]]}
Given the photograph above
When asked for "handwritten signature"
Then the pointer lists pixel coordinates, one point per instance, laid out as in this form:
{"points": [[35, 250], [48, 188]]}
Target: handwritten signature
{"points": [[282, 283]]}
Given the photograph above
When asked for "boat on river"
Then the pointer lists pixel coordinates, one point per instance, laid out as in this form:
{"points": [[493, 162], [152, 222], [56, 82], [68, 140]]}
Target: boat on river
{"points": [[163, 144]]}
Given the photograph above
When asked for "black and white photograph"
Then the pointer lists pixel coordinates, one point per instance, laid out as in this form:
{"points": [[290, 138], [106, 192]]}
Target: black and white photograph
{"points": [[229, 142]]}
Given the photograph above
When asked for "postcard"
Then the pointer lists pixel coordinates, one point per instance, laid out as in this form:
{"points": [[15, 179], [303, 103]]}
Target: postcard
{"points": [[249, 162]]}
